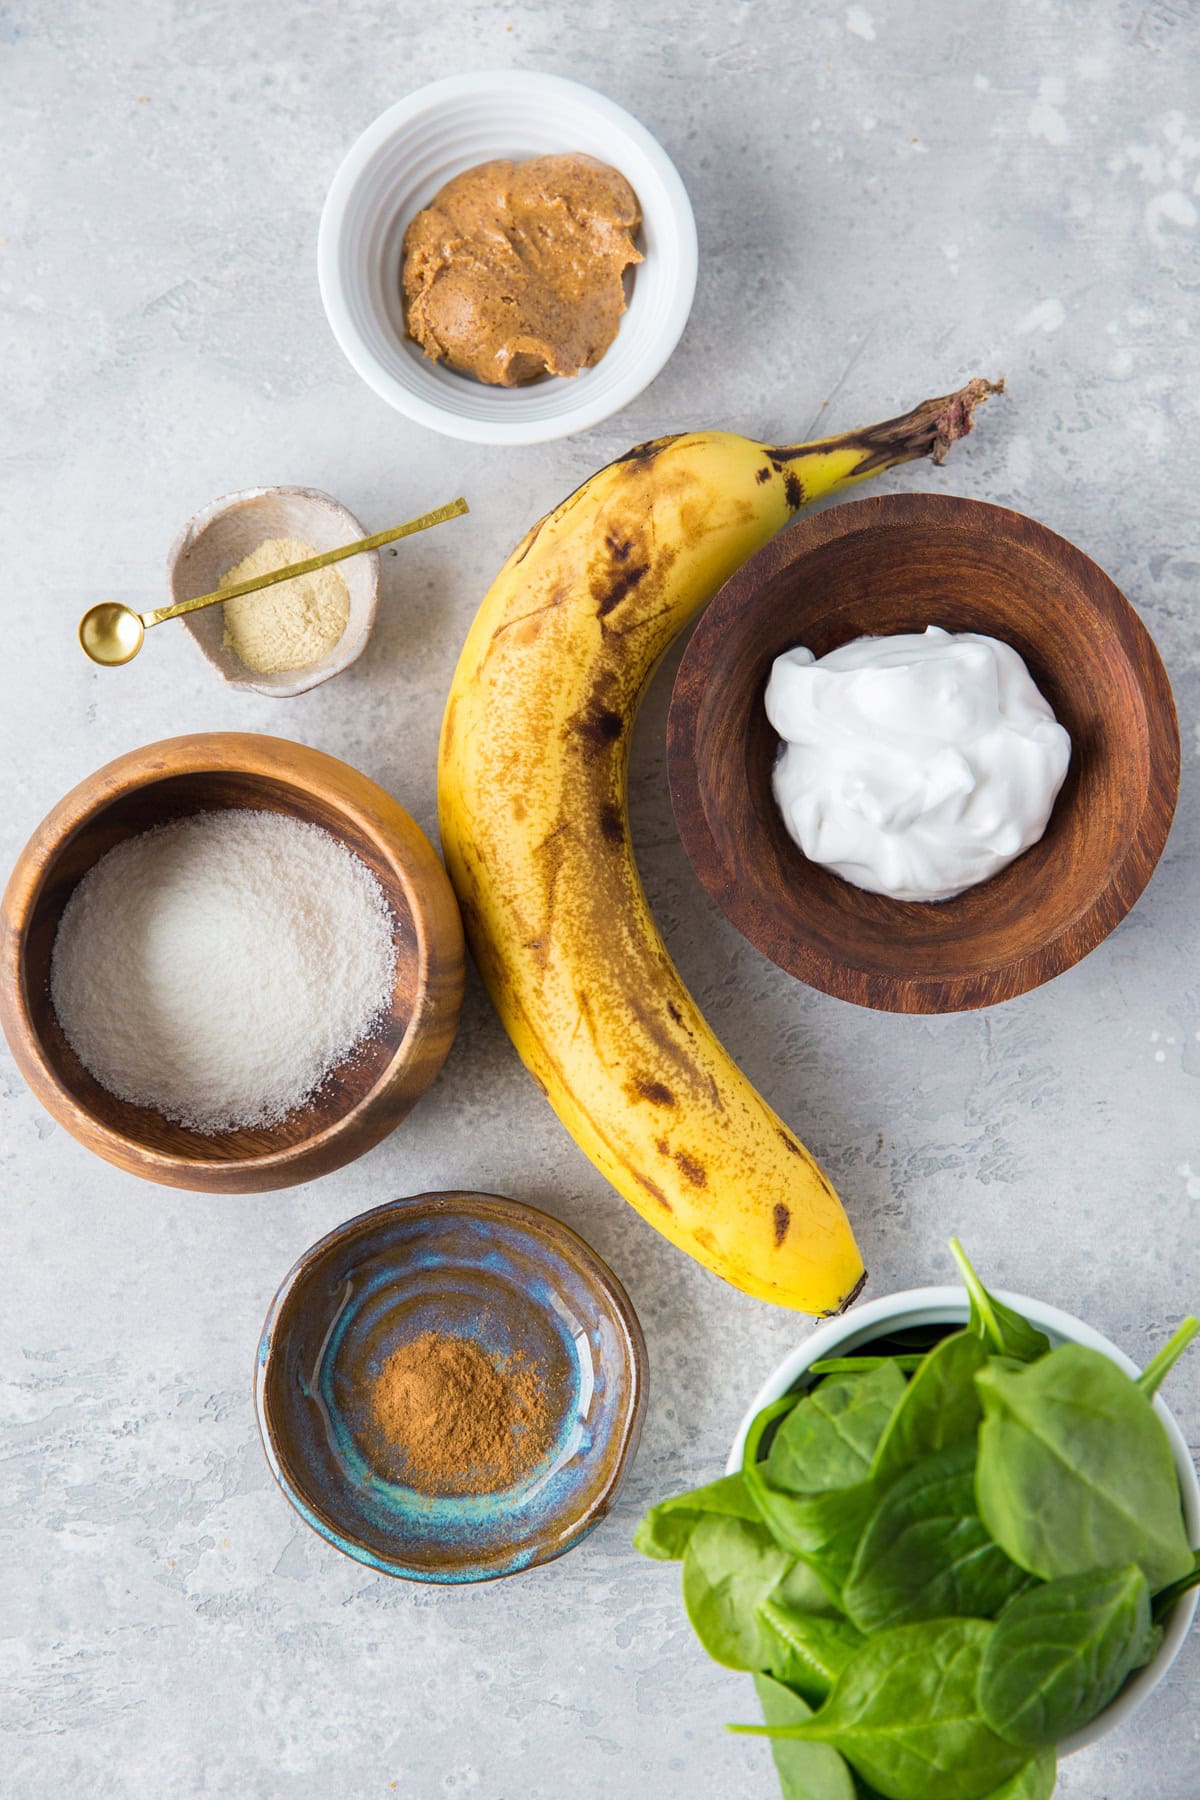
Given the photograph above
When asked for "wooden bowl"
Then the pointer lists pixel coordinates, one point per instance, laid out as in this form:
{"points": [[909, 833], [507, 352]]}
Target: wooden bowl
{"points": [[217, 538], [898, 563], [361, 1101]]}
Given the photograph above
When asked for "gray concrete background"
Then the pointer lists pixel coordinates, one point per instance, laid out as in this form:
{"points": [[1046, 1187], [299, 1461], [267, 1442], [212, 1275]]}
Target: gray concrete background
{"points": [[890, 197]]}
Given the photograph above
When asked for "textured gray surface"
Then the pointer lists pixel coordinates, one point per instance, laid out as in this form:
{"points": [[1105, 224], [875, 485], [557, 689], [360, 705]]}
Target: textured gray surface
{"points": [[890, 197]]}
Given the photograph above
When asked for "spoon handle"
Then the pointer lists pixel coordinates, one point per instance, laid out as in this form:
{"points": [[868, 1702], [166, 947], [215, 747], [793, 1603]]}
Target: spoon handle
{"points": [[450, 511]]}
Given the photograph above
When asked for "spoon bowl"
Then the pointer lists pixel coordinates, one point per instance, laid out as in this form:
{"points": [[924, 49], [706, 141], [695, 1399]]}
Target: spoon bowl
{"points": [[111, 634]]}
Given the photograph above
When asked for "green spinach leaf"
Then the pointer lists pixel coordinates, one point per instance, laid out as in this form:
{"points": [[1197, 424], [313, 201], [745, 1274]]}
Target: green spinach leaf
{"points": [[806, 1771], [808, 1651], [829, 1437], [1160, 1366], [803, 1590], [1004, 1331], [729, 1567], [1075, 1470], [1166, 1597], [1036, 1781], [904, 1714], [907, 1363], [820, 1529], [926, 1554], [1060, 1652], [940, 1406], [664, 1532]]}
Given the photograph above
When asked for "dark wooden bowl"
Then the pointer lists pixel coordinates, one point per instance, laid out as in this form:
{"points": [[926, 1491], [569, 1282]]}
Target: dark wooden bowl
{"points": [[361, 1101], [894, 563]]}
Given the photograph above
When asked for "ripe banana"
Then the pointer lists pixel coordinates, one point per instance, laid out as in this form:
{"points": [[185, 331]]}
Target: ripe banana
{"points": [[532, 798]]}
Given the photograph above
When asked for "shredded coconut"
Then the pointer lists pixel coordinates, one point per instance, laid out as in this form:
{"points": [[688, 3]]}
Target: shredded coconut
{"points": [[218, 968], [292, 624]]}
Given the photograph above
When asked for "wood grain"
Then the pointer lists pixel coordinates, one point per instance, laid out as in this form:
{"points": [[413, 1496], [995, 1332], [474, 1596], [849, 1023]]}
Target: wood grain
{"points": [[362, 1100], [896, 563]]}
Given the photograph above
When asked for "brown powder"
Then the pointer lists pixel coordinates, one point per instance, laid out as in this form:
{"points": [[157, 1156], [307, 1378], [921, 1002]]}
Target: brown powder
{"points": [[448, 1419]]}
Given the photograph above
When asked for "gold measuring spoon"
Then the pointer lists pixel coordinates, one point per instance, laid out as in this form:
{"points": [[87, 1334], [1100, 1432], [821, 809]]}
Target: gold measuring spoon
{"points": [[112, 634]]}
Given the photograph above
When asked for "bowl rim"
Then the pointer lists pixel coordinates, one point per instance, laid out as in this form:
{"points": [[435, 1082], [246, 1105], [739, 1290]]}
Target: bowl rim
{"points": [[542, 1227], [921, 994], [951, 1305], [585, 413], [344, 654], [376, 814]]}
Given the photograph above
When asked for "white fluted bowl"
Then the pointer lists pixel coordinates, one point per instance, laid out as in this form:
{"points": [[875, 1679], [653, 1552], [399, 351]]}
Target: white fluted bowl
{"points": [[395, 169], [950, 1306]]}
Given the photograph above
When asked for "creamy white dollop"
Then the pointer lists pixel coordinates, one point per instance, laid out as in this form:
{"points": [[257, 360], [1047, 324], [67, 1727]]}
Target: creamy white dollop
{"points": [[914, 765]]}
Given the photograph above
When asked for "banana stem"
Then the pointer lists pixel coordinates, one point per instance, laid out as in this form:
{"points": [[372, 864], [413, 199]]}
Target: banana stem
{"points": [[928, 430]]}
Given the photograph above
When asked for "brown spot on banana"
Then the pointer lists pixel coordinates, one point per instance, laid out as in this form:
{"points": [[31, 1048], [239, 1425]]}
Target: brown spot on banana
{"points": [[782, 1218], [653, 1189], [691, 1170], [531, 619], [609, 595], [656, 1092], [612, 824], [793, 487], [647, 452]]}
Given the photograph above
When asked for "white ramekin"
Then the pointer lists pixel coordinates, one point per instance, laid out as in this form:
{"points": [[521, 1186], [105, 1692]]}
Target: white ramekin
{"points": [[396, 168], [949, 1306]]}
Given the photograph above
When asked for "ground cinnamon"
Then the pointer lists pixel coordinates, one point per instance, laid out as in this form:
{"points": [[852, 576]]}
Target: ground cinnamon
{"points": [[447, 1418]]}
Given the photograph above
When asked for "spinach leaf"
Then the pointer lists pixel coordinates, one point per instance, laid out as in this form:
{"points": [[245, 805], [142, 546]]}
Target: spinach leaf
{"points": [[806, 1650], [940, 1406], [806, 1771], [1075, 1470], [729, 1566], [1160, 1366], [907, 1364], [1166, 1597], [1036, 1781], [904, 1714], [1004, 1331], [926, 1554], [666, 1528], [829, 1437], [803, 1590], [821, 1529], [1060, 1652]]}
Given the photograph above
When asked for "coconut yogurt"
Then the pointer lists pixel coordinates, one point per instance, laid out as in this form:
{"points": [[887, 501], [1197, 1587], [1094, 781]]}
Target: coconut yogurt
{"points": [[915, 765]]}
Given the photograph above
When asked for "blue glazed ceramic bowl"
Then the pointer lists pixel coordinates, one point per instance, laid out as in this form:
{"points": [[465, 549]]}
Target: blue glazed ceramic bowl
{"points": [[476, 1266]]}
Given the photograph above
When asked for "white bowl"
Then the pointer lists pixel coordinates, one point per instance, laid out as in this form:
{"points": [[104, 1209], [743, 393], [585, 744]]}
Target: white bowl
{"points": [[950, 1306], [396, 168], [226, 530]]}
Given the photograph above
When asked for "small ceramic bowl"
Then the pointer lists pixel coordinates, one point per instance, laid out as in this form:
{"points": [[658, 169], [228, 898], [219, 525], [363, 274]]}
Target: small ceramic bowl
{"points": [[228, 529], [921, 1308], [396, 168], [898, 563], [359, 1102], [517, 1283]]}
